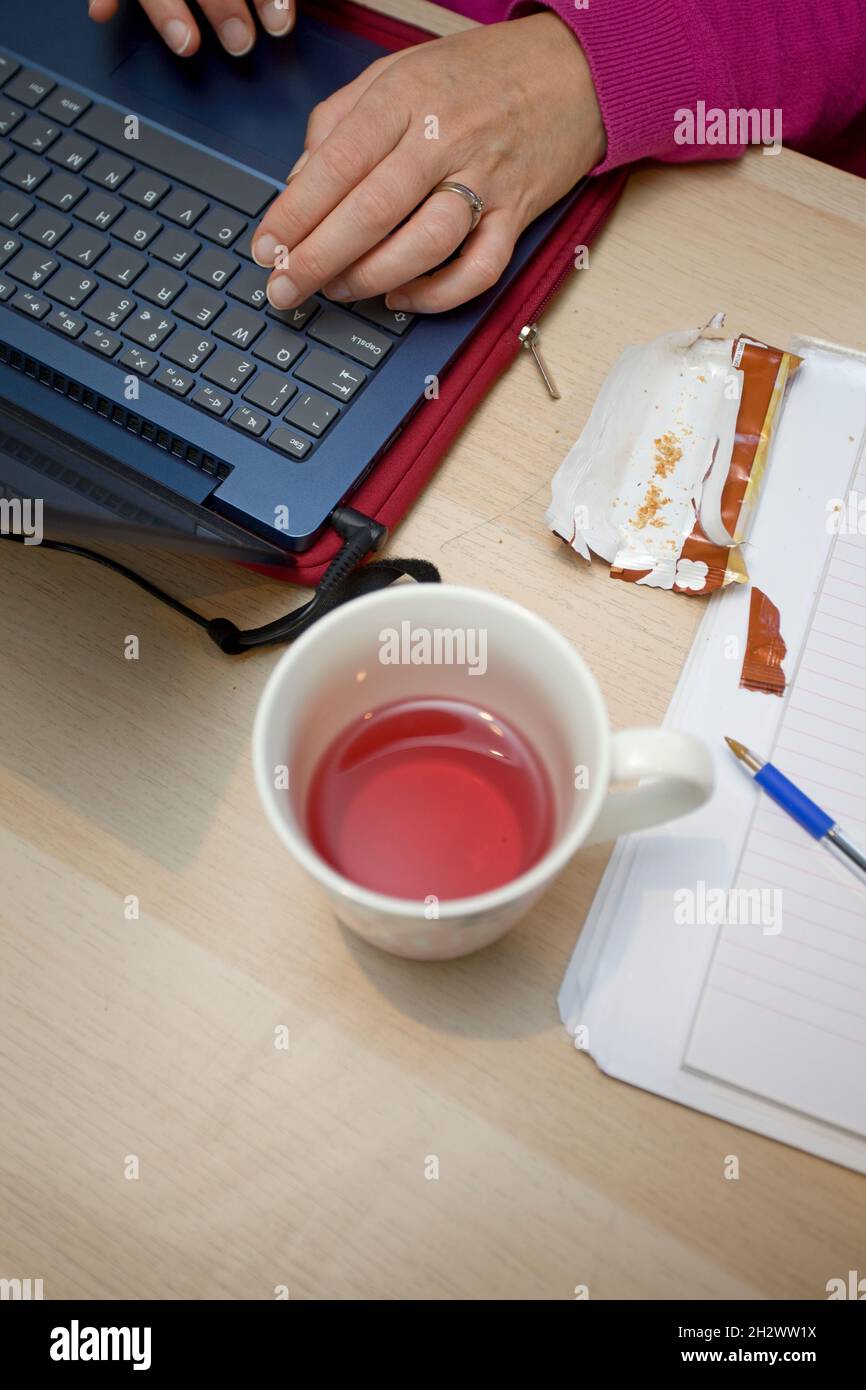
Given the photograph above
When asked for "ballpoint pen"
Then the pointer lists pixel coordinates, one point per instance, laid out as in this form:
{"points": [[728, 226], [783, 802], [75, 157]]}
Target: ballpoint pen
{"points": [[801, 808]]}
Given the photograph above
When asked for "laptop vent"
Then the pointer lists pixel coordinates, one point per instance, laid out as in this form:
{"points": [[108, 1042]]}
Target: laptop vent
{"points": [[110, 410], [69, 477]]}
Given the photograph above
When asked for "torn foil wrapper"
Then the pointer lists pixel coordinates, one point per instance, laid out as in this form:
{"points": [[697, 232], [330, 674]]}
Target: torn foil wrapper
{"points": [[663, 480]]}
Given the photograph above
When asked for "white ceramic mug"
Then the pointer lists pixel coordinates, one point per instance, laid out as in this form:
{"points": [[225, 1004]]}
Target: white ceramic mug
{"points": [[531, 676]]}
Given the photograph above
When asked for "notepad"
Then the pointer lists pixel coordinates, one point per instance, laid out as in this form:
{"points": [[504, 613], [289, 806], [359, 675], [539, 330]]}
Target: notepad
{"points": [[783, 1012], [718, 1017]]}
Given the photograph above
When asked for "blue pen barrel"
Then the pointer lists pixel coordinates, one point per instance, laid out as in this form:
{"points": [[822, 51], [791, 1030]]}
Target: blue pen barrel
{"points": [[795, 802]]}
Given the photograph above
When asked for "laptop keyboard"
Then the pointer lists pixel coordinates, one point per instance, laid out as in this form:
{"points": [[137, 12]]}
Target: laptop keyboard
{"points": [[138, 249]]}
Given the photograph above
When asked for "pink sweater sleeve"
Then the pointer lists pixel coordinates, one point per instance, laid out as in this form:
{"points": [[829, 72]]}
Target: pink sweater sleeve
{"points": [[653, 58]]}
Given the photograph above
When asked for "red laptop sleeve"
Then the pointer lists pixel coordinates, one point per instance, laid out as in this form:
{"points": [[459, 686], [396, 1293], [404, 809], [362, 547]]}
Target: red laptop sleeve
{"points": [[399, 476]]}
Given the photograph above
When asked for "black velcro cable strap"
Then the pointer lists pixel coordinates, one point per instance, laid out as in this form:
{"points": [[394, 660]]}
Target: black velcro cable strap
{"points": [[366, 580]]}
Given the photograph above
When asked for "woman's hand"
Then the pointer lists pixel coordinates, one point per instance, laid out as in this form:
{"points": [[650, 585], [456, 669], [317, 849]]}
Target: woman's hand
{"points": [[231, 19], [508, 109]]}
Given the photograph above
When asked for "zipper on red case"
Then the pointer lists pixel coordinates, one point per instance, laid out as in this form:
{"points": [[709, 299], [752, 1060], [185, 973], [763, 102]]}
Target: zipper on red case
{"points": [[529, 334]]}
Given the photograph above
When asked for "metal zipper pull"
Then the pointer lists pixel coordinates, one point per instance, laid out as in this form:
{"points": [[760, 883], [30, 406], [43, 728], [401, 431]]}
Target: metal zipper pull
{"points": [[529, 339]]}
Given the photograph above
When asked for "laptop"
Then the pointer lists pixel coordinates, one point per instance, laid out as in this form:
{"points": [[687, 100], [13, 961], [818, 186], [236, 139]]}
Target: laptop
{"points": [[146, 386]]}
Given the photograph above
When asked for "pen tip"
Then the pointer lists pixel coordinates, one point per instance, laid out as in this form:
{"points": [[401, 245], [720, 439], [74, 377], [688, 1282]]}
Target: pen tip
{"points": [[738, 749]]}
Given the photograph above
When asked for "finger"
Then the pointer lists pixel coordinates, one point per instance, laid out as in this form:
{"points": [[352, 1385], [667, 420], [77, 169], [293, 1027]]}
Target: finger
{"points": [[327, 115], [366, 215], [172, 19], [277, 16], [486, 254], [428, 238], [343, 161], [101, 10], [233, 24]]}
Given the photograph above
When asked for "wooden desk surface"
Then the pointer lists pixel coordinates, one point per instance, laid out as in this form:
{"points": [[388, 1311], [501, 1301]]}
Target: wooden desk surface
{"points": [[155, 1038]]}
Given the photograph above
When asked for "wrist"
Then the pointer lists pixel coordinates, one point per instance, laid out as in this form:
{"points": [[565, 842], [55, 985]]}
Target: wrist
{"points": [[574, 84]]}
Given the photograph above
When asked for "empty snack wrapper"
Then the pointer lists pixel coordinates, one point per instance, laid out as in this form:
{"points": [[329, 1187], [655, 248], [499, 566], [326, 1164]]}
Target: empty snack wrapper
{"points": [[665, 476]]}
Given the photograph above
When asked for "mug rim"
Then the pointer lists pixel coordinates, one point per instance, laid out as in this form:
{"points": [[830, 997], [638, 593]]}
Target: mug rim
{"points": [[532, 880]]}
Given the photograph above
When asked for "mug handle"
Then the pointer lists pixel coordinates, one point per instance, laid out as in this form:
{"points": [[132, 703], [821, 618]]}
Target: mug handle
{"points": [[682, 773]]}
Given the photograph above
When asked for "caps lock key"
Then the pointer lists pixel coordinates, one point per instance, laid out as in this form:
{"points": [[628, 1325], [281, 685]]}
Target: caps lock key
{"points": [[347, 334]]}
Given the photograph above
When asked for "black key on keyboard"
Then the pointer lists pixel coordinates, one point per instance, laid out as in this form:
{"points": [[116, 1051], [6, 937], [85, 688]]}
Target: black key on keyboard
{"points": [[99, 209], [144, 363], [183, 207], [71, 152], [221, 225], [105, 343], [239, 326], [8, 246], [252, 421], [244, 246], [149, 328], [137, 228], [62, 190], [9, 116], [35, 134], [213, 267], [297, 317], [29, 87], [66, 323], [229, 369], [249, 286], [29, 303], [280, 347], [32, 267], [110, 307], [8, 67], [189, 349], [122, 265], [395, 320], [71, 287], [13, 207], [337, 329], [174, 380], [160, 285], [83, 246], [331, 374], [289, 442], [270, 391], [26, 172], [186, 163], [7, 289], [46, 226], [199, 306], [145, 188], [213, 400], [312, 413], [174, 248], [6, 152], [109, 171], [64, 105]]}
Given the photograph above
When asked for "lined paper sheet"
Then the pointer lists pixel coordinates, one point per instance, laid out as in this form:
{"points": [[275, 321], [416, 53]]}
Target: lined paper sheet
{"points": [[783, 1012]]}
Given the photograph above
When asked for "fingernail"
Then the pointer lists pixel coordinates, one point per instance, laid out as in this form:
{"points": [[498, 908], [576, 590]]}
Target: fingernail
{"points": [[282, 292], [265, 250], [298, 164], [396, 301], [236, 38], [177, 35], [278, 18], [338, 289]]}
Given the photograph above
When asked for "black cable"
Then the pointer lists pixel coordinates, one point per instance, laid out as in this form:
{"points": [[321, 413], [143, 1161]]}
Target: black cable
{"points": [[343, 580], [115, 565]]}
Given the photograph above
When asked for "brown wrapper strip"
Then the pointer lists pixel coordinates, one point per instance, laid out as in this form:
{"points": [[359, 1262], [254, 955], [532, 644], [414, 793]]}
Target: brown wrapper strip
{"points": [[765, 648]]}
